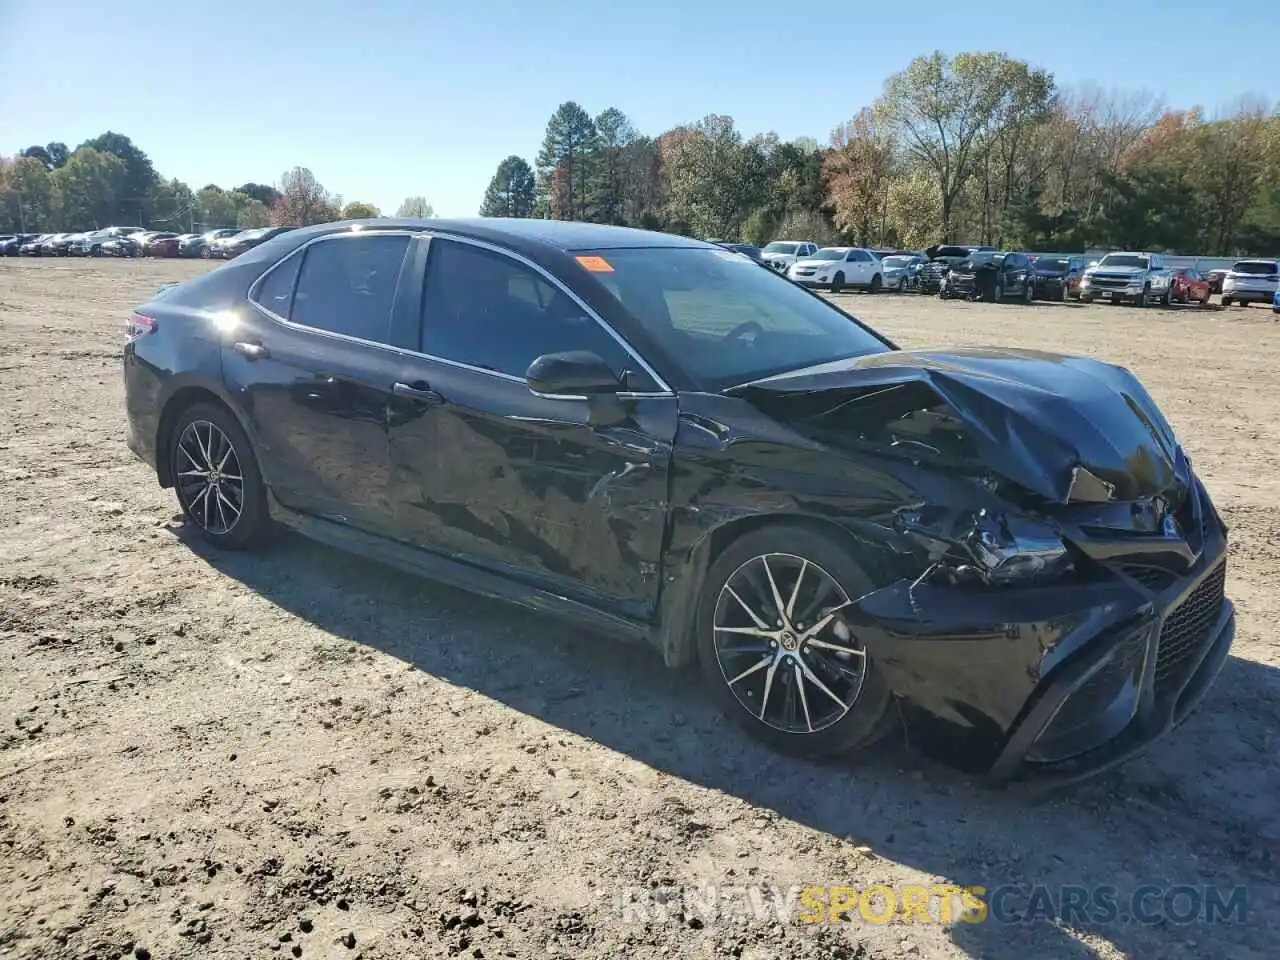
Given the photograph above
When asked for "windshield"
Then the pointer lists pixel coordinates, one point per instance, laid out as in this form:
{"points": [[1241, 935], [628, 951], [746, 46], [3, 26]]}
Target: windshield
{"points": [[779, 247], [727, 320], [1124, 260], [899, 261], [1258, 267], [952, 252], [251, 234], [829, 253], [1052, 264]]}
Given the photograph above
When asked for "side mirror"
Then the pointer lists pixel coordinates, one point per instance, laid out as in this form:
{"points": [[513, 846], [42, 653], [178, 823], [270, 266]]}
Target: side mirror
{"points": [[569, 374]]}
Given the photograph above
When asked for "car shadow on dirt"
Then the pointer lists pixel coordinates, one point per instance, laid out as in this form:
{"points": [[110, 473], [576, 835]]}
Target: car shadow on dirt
{"points": [[1174, 819]]}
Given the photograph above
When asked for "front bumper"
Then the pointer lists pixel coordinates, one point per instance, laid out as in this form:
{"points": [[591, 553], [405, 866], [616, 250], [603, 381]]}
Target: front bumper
{"points": [[1248, 294], [1052, 685]]}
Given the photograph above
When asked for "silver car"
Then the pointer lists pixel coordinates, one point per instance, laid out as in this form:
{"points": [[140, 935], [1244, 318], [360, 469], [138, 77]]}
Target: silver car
{"points": [[901, 271]]}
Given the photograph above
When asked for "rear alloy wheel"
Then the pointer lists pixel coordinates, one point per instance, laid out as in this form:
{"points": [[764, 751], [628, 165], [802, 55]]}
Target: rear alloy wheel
{"points": [[216, 478], [837, 283], [777, 650]]}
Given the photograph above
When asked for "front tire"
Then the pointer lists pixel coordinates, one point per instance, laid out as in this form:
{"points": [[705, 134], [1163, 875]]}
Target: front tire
{"points": [[216, 478], [775, 649], [837, 283]]}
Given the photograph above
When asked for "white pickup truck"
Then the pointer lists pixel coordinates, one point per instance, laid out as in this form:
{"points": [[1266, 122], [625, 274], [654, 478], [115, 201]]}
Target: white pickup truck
{"points": [[1136, 278]]}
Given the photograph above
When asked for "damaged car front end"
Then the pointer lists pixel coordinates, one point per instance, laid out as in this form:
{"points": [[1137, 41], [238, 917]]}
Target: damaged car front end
{"points": [[1050, 591]]}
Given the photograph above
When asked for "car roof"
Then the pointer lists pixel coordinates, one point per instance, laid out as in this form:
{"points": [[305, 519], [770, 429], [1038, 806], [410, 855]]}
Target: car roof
{"points": [[516, 232]]}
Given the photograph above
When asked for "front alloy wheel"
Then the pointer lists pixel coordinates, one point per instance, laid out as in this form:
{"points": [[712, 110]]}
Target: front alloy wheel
{"points": [[776, 645]]}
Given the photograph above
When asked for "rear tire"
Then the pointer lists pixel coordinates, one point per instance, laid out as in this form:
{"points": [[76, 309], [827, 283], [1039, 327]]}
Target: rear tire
{"points": [[805, 695], [876, 282], [216, 478], [1227, 301]]}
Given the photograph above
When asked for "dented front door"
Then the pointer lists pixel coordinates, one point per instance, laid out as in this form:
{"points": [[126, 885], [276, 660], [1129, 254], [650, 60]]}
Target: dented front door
{"points": [[488, 472]]}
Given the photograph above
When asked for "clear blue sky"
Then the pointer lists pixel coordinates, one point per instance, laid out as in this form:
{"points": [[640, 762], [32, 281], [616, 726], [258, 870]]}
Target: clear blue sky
{"points": [[387, 98]]}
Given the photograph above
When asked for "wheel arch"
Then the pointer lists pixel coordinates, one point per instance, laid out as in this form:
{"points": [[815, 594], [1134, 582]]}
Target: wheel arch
{"points": [[181, 397], [686, 575]]}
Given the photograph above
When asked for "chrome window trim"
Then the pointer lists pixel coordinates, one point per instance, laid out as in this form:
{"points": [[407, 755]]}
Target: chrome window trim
{"points": [[251, 293]]}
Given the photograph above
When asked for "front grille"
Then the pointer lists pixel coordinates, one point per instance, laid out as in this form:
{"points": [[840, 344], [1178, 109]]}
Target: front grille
{"points": [[1186, 628], [1153, 578], [1112, 283]]}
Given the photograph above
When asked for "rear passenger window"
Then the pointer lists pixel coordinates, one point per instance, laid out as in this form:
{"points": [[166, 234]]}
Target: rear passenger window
{"points": [[347, 285]]}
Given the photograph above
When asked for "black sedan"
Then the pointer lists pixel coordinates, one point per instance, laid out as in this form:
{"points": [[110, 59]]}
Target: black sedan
{"points": [[245, 240], [661, 441]]}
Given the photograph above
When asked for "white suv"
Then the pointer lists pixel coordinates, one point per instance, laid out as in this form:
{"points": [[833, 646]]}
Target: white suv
{"points": [[781, 254], [1251, 281]]}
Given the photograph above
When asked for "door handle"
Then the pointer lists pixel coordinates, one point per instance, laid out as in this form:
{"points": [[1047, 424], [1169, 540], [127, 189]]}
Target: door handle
{"points": [[253, 351], [418, 390]]}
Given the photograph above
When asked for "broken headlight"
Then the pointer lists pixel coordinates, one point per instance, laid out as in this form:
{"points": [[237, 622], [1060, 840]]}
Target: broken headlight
{"points": [[979, 546]]}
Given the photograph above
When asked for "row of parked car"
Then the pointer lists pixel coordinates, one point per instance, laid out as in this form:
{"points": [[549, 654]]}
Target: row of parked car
{"points": [[972, 271], [222, 243]]}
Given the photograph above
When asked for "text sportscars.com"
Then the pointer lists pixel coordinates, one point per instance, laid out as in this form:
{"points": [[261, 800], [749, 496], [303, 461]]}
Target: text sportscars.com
{"points": [[935, 904]]}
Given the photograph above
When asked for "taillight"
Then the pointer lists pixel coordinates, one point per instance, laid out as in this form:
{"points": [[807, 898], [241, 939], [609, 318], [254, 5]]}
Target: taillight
{"points": [[137, 326]]}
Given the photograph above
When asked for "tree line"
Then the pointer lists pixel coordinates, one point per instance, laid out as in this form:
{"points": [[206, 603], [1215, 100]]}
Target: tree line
{"points": [[108, 180], [979, 148]]}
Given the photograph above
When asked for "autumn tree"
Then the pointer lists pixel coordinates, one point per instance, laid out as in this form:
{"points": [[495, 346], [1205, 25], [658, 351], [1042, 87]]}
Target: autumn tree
{"points": [[415, 208], [858, 170], [565, 158], [303, 201], [511, 190]]}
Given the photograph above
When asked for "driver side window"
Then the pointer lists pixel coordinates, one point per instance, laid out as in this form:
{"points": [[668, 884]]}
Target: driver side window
{"points": [[488, 310]]}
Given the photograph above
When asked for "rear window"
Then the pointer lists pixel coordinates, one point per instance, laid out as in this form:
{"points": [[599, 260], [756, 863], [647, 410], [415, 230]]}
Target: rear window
{"points": [[1258, 267]]}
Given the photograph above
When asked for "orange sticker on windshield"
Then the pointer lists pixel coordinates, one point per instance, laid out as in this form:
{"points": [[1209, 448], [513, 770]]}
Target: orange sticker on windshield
{"points": [[595, 264]]}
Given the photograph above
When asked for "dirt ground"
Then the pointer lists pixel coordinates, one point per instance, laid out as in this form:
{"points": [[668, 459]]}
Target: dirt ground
{"points": [[295, 754]]}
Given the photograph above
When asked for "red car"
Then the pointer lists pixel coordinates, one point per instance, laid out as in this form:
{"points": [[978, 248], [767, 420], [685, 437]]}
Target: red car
{"points": [[1189, 286], [163, 246]]}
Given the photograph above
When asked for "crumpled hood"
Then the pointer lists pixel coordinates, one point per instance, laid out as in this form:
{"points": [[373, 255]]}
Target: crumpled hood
{"points": [[1066, 428]]}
